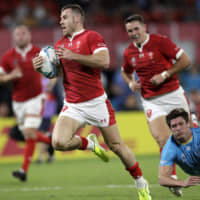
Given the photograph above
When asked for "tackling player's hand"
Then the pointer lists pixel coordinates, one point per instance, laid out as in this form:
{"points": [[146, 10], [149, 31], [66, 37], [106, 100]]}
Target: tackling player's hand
{"points": [[37, 62], [191, 181]]}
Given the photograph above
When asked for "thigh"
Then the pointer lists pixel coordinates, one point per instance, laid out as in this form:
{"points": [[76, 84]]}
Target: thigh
{"points": [[159, 130], [19, 111], [65, 128]]}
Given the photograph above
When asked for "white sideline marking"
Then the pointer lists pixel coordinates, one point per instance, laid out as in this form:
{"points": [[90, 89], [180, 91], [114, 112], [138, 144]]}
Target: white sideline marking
{"points": [[30, 189]]}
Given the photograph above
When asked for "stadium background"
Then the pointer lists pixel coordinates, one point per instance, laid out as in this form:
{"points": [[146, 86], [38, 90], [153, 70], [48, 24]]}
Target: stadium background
{"points": [[177, 19], [76, 175]]}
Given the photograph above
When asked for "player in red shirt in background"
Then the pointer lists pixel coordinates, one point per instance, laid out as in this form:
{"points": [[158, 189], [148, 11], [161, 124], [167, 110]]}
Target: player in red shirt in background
{"points": [[83, 54], [16, 66], [152, 57]]}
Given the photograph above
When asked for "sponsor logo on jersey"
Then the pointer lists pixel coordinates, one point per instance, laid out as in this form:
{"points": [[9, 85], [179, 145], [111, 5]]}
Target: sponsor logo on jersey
{"points": [[101, 45]]}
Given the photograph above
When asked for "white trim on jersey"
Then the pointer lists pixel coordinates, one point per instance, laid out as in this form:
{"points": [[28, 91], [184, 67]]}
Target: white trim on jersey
{"points": [[24, 52], [179, 53], [74, 34], [2, 71], [100, 49]]}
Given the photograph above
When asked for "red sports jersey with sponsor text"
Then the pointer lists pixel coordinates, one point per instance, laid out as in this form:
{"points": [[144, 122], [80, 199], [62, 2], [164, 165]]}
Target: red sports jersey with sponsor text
{"points": [[29, 85], [153, 57], [82, 83]]}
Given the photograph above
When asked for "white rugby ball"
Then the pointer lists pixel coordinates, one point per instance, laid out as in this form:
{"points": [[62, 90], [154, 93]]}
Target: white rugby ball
{"points": [[50, 62]]}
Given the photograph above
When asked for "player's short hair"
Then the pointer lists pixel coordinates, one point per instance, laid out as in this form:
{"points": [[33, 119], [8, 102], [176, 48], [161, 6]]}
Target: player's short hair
{"points": [[178, 112], [134, 17], [21, 26], [76, 9]]}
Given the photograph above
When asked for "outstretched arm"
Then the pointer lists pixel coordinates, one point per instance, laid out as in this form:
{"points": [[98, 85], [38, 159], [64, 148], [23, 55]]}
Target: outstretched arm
{"points": [[165, 178]]}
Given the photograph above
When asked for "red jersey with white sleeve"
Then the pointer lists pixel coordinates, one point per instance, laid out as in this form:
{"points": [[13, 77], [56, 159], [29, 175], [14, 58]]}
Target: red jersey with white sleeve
{"points": [[29, 84], [153, 57], [82, 83]]}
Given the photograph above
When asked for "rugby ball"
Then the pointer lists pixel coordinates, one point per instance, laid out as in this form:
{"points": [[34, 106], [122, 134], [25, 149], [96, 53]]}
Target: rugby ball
{"points": [[50, 62]]}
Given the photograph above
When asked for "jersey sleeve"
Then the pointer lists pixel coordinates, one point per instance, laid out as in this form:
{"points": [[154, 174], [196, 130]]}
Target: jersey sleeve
{"points": [[169, 49], [96, 42], [125, 66], [168, 154]]}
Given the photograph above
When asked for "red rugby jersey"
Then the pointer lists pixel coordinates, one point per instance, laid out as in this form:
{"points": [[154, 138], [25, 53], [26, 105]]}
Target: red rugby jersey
{"points": [[153, 57], [82, 83], [29, 85]]}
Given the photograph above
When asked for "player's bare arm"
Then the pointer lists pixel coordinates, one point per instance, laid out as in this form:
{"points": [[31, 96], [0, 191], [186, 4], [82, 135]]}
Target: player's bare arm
{"points": [[100, 59], [165, 178], [134, 85], [180, 65], [14, 74]]}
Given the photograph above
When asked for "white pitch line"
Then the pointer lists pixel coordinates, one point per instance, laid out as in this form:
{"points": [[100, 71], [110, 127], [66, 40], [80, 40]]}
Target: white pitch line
{"points": [[30, 189], [59, 188], [130, 186]]}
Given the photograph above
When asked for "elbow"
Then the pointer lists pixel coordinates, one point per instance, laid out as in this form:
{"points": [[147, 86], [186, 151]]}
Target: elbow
{"points": [[106, 65], [186, 60], [162, 181], [187, 63]]}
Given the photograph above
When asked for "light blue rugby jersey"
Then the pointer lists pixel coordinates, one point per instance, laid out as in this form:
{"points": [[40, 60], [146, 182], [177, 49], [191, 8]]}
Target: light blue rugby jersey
{"points": [[187, 156]]}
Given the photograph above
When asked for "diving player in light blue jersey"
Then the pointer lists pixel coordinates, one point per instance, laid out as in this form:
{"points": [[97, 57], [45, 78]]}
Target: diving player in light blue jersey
{"points": [[183, 148]]}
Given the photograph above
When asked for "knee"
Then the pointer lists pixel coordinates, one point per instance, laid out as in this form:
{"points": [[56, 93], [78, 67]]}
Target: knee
{"points": [[161, 140], [30, 133], [58, 144]]}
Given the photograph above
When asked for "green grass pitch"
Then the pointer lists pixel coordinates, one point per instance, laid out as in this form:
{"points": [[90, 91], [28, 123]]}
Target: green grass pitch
{"points": [[86, 179]]}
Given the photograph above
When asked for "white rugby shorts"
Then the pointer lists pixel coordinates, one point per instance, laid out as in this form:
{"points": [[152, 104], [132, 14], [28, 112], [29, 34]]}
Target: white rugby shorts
{"points": [[97, 112], [29, 113], [163, 104]]}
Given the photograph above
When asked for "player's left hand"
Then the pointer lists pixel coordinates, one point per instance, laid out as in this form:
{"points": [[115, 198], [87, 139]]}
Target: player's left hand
{"points": [[65, 53], [157, 79]]}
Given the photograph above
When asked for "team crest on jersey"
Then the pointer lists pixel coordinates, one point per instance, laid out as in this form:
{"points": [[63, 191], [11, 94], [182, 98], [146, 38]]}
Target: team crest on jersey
{"points": [[149, 113], [151, 55], [78, 44], [15, 61], [133, 60]]}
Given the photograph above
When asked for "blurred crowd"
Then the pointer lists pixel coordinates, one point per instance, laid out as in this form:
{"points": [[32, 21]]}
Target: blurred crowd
{"points": [[46, 13]]}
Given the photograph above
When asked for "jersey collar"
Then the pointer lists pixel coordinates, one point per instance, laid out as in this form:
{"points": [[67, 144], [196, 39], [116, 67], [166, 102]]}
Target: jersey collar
{"points": [[145, 42], [24, 51], [75, 34]]}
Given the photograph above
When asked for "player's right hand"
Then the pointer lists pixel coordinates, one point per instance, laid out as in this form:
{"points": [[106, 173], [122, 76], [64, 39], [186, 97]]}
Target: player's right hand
{"points": [[37, 62], [135, 86]]}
